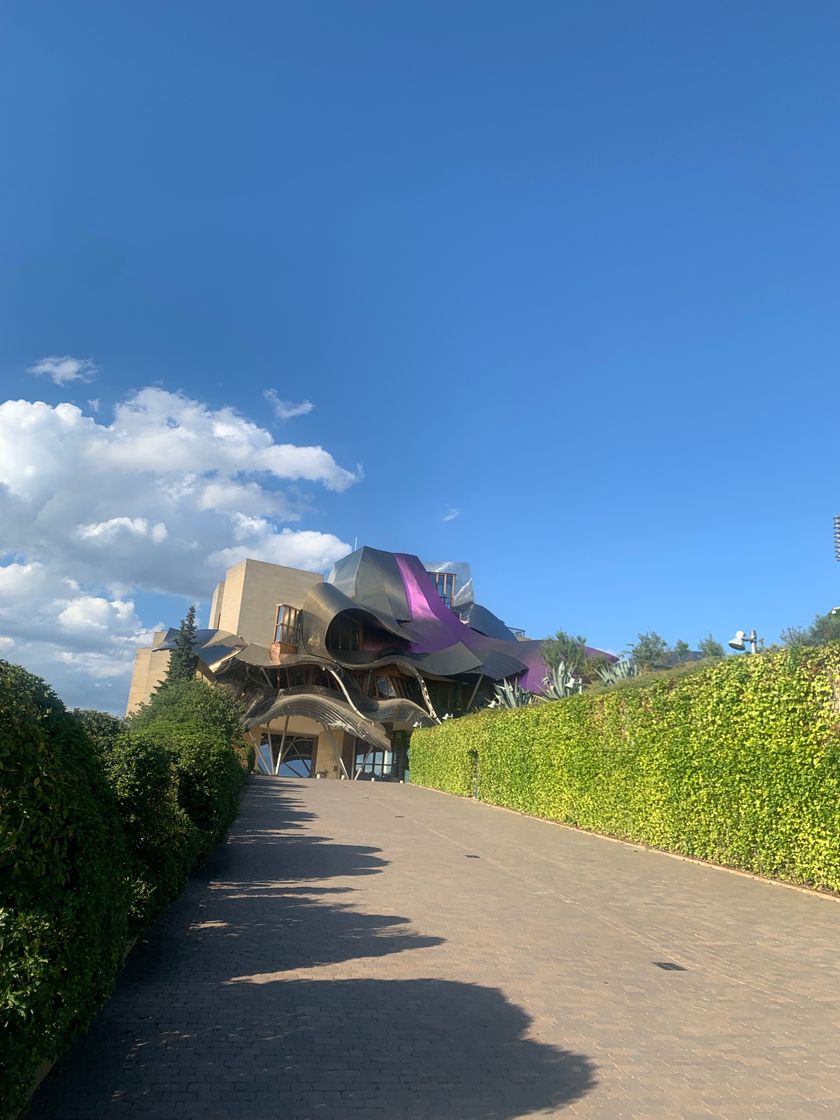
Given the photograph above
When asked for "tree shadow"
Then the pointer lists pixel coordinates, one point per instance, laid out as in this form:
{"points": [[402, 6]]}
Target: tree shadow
{"points": [[209, 1021], [411, 1049]]}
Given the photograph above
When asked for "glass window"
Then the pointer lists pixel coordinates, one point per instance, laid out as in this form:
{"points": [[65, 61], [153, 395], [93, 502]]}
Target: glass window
{"points": [[345, 634], [445, 585], [287, 627]]}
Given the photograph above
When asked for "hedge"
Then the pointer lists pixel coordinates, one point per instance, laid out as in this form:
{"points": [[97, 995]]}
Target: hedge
{"points": [[63, 889], [100, 823], [737, 763], [162, 841], [199, 725]]}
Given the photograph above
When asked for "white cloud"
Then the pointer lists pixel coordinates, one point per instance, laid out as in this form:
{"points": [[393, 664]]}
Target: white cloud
{"points": [[94, 404], [300, 549], [64, 369], [451, 514], [161, 499], [286, 410], [134, 526]]}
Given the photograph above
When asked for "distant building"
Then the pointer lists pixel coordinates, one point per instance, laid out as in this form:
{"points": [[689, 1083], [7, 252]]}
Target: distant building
{"points": [[336, 673]]}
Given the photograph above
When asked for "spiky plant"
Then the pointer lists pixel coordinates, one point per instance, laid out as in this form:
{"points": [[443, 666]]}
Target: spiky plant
{"points": [[618, 671], [559, 682], [508, 694]]}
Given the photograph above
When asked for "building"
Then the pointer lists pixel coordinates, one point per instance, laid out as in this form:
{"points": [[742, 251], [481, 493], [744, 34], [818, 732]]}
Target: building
{"points": [[335, 673]]}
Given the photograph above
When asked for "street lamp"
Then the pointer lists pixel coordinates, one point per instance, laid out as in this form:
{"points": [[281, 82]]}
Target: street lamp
{"points": [[740, 640]]}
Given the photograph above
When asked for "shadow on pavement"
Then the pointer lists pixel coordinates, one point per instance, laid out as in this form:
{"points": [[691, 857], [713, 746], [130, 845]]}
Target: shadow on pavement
{"points": [[204, 1023]]}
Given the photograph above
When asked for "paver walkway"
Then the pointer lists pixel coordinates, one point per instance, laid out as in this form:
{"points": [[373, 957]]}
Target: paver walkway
{"points": [[371, 950]]}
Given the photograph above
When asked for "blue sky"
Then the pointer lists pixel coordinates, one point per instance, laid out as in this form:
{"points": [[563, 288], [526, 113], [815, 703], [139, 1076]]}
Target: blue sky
{"points": [[570, 270]]}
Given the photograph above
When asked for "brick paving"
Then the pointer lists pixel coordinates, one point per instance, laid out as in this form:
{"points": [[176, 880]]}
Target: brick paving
{"points": [[373, 950]]}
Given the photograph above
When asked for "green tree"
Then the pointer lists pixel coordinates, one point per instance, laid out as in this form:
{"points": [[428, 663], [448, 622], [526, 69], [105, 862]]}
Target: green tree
{"points": [[183, 661], [825, 628], [572, 651], [650, 651], [102, 728], [710, 647], [681, 651]]}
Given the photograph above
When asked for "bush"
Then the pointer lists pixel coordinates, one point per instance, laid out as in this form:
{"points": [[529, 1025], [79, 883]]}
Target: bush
{"points": [[200, 726], [737, 762], [162, 841], [63, 889]]}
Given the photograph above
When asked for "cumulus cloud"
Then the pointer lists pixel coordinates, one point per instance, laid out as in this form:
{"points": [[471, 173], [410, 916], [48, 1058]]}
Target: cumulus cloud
{"points": [[162, 499], [286, 410], [64, 369]]}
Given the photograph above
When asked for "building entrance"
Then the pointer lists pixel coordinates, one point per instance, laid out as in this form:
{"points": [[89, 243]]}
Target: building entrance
{"points": [[295, 760]]}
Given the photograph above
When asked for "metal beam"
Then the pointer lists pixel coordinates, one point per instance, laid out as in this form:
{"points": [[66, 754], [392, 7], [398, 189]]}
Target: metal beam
{"points": [[282, 744]]}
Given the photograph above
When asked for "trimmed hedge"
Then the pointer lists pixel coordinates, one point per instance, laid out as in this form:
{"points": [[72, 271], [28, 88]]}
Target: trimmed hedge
{"points": [[737, 762], [199, 726], [63, 888], [162, 841], [100, 823]]}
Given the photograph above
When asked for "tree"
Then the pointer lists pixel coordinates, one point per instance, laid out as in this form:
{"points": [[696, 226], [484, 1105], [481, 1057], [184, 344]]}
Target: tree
{"points": [[681, 651], [710, 647], [650, 651], [571, 650], [824, 628], [183, 661]]}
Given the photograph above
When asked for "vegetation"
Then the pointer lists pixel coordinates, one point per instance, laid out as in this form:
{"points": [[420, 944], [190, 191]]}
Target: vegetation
{"points": [[650, 652], [824, 628], [183, 661], [101, 820], [710, 647], [571, 652], [559, 682], [735, 761], [508, 694], [199, 725], [618, 671], [63, 883]]}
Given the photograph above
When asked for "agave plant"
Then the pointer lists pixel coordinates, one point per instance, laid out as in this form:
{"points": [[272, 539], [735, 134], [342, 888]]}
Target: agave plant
{"points": [[618, 671], [510, 695], [559, 682]]}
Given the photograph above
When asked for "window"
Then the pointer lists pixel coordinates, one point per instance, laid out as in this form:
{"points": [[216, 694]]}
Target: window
{"points": [[445, 586], [287, 627], [345, 633]]}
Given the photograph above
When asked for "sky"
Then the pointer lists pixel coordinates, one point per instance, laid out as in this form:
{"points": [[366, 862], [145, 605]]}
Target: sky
{"points": [[549, 287]]}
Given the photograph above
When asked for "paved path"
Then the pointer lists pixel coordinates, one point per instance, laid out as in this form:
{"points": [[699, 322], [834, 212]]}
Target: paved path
{"points": [[370, 950]]}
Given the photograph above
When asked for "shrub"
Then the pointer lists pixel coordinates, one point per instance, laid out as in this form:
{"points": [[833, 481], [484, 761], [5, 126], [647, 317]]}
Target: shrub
{"points": [[200, 726], [63, 888], [162, 841], [737, 761]]}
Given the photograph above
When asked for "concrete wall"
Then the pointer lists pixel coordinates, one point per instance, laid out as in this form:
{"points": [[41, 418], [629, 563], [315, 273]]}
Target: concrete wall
{"points": [[244, 603], [252, 591], [216, 606], [149, 670]]}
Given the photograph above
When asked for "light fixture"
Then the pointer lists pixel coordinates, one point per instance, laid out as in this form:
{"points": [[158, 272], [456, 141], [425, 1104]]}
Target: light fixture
{"points": [[739, 641], [837, 537]]}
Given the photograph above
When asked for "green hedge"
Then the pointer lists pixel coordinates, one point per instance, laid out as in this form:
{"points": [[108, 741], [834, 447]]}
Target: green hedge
{"points": [[199, 725], [63, 888], [737, 762], [100, 823]]}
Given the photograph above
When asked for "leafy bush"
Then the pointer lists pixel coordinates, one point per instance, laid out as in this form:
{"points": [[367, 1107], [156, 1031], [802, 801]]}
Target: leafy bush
{"points": [[200, 727], [63, 889], [734, 761], [162, 840]]}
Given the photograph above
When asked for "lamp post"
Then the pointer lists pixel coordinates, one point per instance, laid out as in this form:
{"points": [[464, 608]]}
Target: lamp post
{"points": [[739, 642]]}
